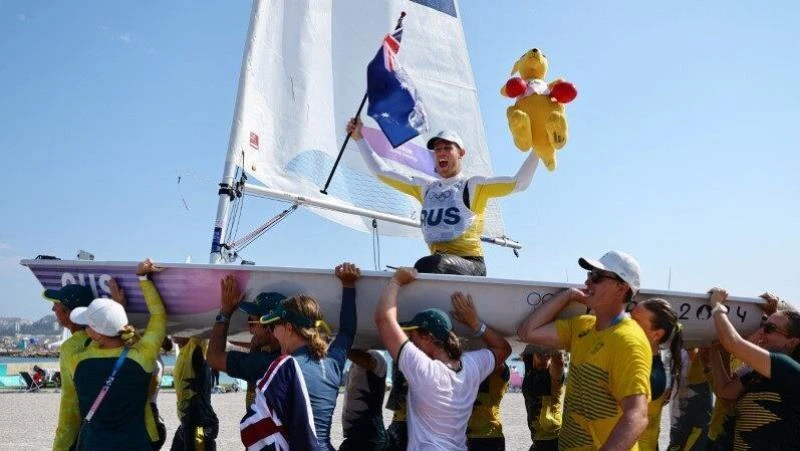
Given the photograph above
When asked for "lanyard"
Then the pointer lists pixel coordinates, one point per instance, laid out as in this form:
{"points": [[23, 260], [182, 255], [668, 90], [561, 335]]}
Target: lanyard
{"points": [[617, 319], [107, 385]]}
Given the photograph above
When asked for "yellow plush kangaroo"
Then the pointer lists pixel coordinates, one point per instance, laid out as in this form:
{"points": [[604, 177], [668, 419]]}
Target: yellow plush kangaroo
{"points": [[537, 120]]}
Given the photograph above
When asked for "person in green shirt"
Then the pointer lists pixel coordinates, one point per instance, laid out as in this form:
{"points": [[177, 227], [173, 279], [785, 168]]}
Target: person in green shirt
{"points": [[64, 301], [118, 423]]}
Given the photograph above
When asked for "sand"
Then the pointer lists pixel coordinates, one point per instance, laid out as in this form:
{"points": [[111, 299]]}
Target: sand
{"points": [[29, 420]]}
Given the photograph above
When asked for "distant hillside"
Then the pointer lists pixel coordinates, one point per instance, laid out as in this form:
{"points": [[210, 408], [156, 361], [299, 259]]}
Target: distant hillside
{"points": [[46, 325]]}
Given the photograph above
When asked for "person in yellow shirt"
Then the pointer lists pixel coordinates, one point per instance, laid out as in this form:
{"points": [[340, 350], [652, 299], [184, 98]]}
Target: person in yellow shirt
{"points": [[64, 301], [452, 204], [484, 429], [119, 419], [543, 390], [608, 387], [660, 324]]}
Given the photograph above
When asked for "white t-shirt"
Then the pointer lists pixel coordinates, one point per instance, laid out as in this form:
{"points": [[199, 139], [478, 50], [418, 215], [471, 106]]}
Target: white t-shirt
{"points": [[440, 399]]}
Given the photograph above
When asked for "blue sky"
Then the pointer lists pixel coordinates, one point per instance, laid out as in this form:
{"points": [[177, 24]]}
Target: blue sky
{"points": [[682, 152]]}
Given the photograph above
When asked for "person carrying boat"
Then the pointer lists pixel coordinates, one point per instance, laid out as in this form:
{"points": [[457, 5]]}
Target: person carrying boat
{"points": [[768, 398], [453, 205], [112, 375], [264, 347], [605, 406], [66, 299], [442, 380], [300, 387]]}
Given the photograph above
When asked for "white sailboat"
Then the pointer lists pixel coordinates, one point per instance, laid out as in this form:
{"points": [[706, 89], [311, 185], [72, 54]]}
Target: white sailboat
{"points": [[302, 75]]}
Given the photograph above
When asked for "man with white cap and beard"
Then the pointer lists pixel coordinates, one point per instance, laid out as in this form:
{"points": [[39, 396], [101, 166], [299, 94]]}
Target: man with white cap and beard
{"points": [[609, 384], [452, 204]]}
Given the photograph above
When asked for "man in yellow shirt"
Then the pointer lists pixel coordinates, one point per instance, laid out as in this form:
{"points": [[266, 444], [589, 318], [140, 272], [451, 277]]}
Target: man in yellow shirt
{"points": [[608, 388], [452, 204]]}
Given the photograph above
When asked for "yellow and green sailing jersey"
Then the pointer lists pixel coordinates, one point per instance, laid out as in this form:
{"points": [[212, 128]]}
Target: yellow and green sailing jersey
{"points": [[121, 416], [485, 419], [69, 416], [478, 192], [606, 366]]}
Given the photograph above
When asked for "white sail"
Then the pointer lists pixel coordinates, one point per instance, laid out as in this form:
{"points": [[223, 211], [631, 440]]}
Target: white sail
{"points": [[303, 76]]}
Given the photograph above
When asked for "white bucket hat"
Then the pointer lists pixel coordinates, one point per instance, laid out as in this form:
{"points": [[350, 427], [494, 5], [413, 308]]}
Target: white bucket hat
{"points": [[105, 316], [620, 263]]}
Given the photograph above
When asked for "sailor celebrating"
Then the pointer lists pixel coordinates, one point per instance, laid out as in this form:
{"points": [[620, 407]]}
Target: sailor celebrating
{"points": [[452, 204]]}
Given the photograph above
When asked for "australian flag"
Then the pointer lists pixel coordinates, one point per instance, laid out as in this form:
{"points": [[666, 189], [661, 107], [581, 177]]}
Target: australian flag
{"points": [[280, 418], [393, 101]]}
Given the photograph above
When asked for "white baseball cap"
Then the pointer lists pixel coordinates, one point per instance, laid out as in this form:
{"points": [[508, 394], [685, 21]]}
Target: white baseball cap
{"points": [[105, 316], [447, 135], [620, 263]]}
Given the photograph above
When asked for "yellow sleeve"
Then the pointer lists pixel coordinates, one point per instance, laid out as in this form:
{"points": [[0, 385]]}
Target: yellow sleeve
{"points": [[146, 350], [69, 415], [483, 188], [630, 373], [412, 190], [567, 328]]}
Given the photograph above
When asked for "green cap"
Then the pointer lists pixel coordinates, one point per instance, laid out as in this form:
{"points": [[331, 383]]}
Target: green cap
{"points": [[281, 313], [434, 320], [264, 303], [71, 296]]}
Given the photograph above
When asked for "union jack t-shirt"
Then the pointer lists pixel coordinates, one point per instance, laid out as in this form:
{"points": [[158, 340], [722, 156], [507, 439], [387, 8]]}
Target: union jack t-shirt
{"points": [[280, 418]]}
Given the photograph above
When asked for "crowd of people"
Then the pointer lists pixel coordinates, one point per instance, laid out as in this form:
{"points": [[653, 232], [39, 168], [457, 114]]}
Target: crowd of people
{"points": [[594, 381]]}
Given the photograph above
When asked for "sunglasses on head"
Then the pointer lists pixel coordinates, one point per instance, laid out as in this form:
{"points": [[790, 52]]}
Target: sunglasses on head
{"points": [[770, 327], [596, 276]]}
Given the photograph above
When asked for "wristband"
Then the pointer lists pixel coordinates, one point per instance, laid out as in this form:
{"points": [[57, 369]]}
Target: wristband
{"points": [[719, 308], [481, 330], [222, 318], [144, 277]]}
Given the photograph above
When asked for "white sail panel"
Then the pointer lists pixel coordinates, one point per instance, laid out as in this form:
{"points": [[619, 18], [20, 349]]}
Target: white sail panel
{"points": [[304, 75]]}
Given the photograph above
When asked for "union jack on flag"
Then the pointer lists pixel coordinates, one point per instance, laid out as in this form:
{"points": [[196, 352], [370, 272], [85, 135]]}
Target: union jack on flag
{"points": [[280, 418], [393, 101]]}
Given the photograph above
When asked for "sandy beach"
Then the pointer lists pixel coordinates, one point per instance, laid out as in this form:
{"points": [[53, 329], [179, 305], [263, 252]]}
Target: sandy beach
{"points": [[30, 419]]}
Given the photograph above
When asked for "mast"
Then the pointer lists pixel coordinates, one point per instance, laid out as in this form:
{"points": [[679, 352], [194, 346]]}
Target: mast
{"points": [[227, 185]]}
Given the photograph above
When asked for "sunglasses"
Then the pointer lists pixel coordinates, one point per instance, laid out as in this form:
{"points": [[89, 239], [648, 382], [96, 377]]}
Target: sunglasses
{"points": [[770, 327], [596, 276]]}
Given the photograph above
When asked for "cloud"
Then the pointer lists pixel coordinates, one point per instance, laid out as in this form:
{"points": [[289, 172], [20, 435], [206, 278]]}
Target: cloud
{"points": [[5, 246], [22, 17], [126, 38]]}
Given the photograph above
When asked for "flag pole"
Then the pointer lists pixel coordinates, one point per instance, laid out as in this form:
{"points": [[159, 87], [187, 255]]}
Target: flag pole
{"points": [[324, 190]]}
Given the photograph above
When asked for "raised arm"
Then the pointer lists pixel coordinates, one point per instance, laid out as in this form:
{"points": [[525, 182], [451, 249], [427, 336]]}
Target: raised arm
{"points": [[217, 356], [755, 356], [539, 327], [464, 311], [347, 273], [156, 329], [389, 329], [483, 188], [408, 184]]}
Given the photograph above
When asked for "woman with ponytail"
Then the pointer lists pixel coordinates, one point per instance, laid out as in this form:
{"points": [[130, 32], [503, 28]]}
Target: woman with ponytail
{"points": [[660, 324], [300, 387], [112, 375]]}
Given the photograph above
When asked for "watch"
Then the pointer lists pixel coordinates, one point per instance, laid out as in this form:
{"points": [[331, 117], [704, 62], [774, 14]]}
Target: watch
{"points": [[222, 318]]}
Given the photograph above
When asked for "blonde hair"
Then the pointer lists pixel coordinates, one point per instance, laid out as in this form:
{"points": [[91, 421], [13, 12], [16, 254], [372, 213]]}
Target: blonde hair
{"points": [[308, 307]]}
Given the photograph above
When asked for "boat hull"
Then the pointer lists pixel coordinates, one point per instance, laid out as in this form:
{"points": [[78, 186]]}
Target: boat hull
{"points": [[191, 293]]}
